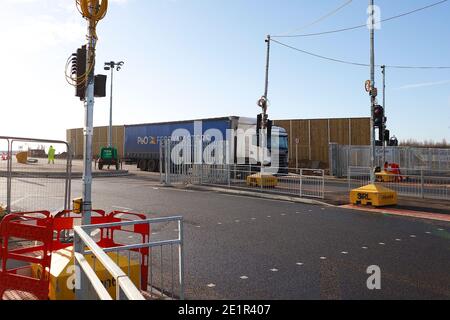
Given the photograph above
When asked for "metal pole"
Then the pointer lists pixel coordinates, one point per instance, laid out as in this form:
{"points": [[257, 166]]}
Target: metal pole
{"points": [[264, 107], [89, 127], [383, 70], [110, 110], [372, 95], [266, 87]]}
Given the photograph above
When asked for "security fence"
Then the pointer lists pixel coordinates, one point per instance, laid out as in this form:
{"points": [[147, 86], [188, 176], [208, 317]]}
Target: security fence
{"points": [[435, 162], [214, 171], [163, 262], [35, 174], [416, 183]]}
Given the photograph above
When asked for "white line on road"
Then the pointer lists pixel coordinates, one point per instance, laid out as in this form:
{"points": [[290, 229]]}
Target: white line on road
{"points": [[122, 208], [323, 258], [344, 252], [274, 270], [244, 277], [398, 240], [299, 263], [365, 248], [382, 244], [413, 236], [211, 285]]}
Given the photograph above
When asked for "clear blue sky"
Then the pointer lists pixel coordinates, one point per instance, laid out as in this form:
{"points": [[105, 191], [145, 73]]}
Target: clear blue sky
{"points": [[203, 58]]}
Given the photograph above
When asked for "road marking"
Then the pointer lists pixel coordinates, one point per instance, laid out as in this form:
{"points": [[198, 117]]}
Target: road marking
{"points": [[413, 236], [269, 216], [244, 277], [398, 239], [365, 248], [382, 244], [122, 208], [323, 258], [274, 270], [299, 263], [428, 232], [198, 226], [211, 285], [283, 214], [344, 252], [253, 219], [440, 229], [237, 221], [220, 223], [310, 210]]}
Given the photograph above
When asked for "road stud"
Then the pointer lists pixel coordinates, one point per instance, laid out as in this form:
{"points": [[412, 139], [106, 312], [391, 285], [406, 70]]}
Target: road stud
{"points": [[265, 180], [373, 195]]}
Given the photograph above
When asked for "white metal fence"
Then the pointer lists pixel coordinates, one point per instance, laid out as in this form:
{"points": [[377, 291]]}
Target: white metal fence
{"points": [[214, 170], [414, 183], [35, 182], [164, 282], [434, 161]]}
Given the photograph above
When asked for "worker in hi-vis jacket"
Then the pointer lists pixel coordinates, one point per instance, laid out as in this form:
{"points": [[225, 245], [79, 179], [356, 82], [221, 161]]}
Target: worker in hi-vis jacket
{"points": [[51, 155]]}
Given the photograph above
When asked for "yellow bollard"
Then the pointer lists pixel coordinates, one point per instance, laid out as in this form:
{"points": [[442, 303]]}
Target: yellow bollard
{"points": [[78, 205]]}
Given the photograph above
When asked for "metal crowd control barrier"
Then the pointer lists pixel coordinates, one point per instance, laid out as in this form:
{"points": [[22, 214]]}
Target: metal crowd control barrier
{"points": [[416, 183], [33, 181], [184, 164], [91, 287], [431, 159]]}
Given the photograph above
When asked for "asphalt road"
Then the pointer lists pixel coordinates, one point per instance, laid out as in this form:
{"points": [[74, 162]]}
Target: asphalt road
{"points": [[248, 248]]}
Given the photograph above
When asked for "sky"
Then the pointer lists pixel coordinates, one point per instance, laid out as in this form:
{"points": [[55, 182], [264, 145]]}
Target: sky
{"points": [[191, 59]]}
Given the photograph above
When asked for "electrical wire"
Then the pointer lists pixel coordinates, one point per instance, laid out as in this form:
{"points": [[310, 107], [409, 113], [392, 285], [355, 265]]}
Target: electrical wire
{"points": [[362, 25], [355, 63], [93, 11], [322, 18]]}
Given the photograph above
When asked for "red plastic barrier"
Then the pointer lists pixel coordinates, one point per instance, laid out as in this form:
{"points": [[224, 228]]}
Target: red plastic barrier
{"points": [[42, 227], [29, 226], [64, 222]]}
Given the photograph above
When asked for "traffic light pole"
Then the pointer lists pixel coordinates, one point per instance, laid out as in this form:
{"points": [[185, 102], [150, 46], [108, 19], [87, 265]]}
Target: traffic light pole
{"points": [[89, 127], [264, 107], [383, 70], [372, 92]]}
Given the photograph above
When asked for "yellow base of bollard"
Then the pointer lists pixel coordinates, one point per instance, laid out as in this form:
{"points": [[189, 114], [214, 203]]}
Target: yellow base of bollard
{"points": [[373, 195], [262, 180]]}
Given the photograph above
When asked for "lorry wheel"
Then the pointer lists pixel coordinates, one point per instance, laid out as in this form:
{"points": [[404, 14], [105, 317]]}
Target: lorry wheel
{"points": [[143, 165], [151, 166]]}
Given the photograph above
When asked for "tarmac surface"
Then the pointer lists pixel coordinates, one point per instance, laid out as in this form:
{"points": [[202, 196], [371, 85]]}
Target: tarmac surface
{"points": [[250, 248]]}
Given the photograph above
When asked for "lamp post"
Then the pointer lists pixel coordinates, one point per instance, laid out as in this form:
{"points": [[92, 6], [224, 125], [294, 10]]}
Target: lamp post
{"points": [[111, 66]]}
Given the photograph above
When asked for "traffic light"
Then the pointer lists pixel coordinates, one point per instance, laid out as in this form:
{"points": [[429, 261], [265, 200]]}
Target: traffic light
{"points": [[81, 66], [258, 128], [378, 116], [387, 135], [100, 86]]}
